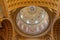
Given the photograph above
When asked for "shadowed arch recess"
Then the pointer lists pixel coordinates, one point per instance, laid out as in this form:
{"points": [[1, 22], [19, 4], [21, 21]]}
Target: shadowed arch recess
{"points": [[7, 30], [56, 29]]}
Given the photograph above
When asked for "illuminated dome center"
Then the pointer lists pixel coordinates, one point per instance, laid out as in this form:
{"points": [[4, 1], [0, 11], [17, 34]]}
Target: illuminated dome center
{"points": [[32, 20]]}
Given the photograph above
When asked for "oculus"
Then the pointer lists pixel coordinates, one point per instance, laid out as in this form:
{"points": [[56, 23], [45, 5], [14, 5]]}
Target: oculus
{"points": [[32, 20]]}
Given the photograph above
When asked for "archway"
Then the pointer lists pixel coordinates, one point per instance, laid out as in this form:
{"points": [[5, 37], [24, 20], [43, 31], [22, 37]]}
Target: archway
{"points": [[6, 31], [56, 29]]}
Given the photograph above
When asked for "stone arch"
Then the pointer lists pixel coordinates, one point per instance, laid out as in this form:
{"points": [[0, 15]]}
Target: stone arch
{"points": [[6, 30], [56, 29]]}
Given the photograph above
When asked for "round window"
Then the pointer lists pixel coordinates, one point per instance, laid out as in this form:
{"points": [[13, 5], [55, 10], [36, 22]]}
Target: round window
{"points": [[32, 20]]}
